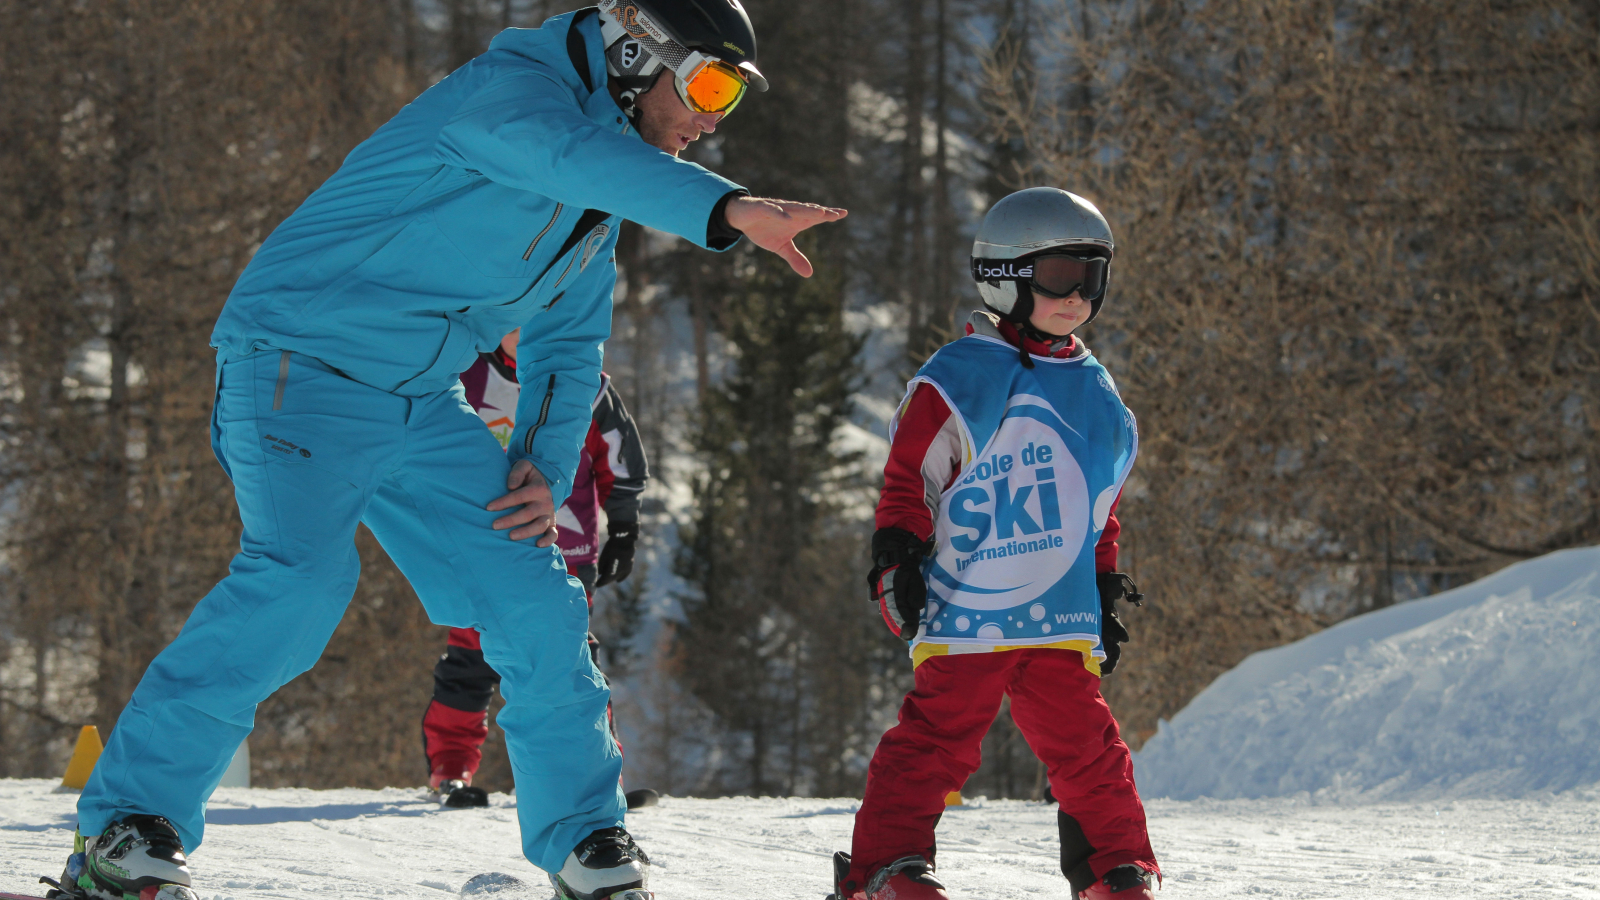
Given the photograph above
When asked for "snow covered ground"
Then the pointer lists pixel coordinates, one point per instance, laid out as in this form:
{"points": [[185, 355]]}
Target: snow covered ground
{"points": [[1447, 747], [394, 844], [1488, 690]]}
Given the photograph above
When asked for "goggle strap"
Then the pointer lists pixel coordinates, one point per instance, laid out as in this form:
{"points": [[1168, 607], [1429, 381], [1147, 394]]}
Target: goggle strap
{"points": [[997, 270], [672, 54]]}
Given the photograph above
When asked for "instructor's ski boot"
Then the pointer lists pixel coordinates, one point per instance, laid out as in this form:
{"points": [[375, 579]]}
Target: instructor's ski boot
{"points": [[138, 857], [1129, 882], [907, 878], [608, 865]]}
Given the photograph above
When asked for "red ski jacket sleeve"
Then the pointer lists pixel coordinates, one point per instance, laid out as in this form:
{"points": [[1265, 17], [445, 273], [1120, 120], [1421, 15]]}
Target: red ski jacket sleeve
{"points": [[617, 451]]}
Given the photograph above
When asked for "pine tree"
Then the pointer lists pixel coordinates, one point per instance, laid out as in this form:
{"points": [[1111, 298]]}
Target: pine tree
{"points": [[770, 555]]}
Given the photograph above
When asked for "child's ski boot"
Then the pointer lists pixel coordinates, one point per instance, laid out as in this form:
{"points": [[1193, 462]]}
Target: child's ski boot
{"points": [[1129, 882], [138, 857], [608, 864], [458, 794], [907, 878]]}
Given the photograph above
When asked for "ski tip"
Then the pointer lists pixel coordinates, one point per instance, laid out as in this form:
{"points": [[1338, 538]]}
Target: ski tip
{"points": [[841, 870], [641, 798], [467, 798], [493, 883]]}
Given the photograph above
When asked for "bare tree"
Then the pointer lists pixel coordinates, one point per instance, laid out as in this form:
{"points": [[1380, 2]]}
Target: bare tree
{"points": [[1352, 305], [156, 144]]}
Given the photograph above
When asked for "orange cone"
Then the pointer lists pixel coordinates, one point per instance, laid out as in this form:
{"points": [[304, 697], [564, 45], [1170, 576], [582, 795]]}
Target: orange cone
{"points": [[84, 756]]}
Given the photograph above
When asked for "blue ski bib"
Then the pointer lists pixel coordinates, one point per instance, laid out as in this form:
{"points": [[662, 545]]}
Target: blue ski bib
{"points": [[1045, 452]]}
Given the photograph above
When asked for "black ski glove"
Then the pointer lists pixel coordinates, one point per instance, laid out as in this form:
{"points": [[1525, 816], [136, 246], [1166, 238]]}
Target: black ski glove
{"points": [[616, 558], [895, 582], [1114, 586]]}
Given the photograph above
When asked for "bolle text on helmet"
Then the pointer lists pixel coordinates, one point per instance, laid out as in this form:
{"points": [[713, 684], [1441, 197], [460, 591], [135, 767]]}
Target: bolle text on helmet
{"points": [[995, 270]]}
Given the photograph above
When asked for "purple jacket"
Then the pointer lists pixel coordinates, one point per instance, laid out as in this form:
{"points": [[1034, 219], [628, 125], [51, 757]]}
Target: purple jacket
{"points": [[612, 469]]}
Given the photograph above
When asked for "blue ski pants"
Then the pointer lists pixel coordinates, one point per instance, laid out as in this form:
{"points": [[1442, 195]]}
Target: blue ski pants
{"points": [[311, 453]]}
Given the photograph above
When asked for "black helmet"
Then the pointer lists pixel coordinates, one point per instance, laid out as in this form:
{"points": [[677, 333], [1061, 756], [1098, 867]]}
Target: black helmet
{"points": [[669, 31]]}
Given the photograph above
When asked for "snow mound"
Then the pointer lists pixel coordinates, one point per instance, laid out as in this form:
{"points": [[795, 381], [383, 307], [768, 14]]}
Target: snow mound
{"points": [[1488, 690]]}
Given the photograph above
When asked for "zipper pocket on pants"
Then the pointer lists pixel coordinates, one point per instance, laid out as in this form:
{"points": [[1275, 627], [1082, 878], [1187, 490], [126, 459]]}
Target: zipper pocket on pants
{"points": [[283, 379]]}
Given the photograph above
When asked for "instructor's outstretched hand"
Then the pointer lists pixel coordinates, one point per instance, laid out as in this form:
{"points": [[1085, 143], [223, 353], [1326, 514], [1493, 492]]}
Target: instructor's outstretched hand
{"points": [[772, 225], [535, 514]]}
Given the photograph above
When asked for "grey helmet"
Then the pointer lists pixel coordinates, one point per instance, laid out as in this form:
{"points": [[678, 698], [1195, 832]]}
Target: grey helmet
{"points": [[1026, 224]]}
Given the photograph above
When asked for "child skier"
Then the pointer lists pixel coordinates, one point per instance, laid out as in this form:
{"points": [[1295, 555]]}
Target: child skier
{"points": [[995, 556], [611, 475]]}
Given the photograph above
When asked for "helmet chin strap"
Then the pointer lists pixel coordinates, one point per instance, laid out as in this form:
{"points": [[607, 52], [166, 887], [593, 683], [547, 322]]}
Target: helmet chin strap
{"points": [[625, 100], [630, 66], [1022, 317], [1021, 313], [1040, 335], [628, 96]]}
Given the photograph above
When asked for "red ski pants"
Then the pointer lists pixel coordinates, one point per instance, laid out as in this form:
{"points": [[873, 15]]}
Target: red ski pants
{"points": [[1056, 704]]}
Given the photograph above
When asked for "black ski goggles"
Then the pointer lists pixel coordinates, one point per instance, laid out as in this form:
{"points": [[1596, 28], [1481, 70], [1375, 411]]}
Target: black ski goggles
{"points": [[1054, 275]]}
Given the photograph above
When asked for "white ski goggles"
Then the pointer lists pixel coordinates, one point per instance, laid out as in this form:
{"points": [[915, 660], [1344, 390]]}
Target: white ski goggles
{"points": [[704, 83]]}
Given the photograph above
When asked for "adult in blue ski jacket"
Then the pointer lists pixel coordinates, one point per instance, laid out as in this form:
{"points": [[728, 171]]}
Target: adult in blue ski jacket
{"points": [[490, 202]]}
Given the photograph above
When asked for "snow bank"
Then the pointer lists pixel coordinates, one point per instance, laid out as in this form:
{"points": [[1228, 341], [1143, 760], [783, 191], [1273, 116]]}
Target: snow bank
{"points": [[1488, 690]]}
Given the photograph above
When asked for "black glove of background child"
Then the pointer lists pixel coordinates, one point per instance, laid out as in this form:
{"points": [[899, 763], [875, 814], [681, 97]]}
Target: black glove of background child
{"points": [[1114, 586], [616, 558], [895, 582]]}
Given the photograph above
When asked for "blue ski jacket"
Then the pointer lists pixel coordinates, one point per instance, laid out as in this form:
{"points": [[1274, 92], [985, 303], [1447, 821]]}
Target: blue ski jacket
{"points": [[489, 202]]}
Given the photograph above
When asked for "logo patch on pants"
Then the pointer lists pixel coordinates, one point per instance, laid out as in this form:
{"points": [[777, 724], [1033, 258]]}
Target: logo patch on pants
{"points": [[285, 447]]}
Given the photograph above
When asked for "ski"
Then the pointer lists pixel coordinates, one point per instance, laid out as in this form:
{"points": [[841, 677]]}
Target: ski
{"points": [[491, 884], [153, 892], [641, 798], [841, 869], [494, 883], [55, 892], [466, 797]]}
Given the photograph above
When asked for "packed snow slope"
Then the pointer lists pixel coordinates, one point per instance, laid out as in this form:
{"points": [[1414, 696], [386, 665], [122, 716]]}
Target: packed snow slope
{"points": [[394, 844], [1488, 690]]}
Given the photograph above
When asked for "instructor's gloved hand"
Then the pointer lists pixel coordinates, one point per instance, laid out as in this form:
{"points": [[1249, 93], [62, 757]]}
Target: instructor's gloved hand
{"points": [[895, 582], [1114, 586], [616, 558]]}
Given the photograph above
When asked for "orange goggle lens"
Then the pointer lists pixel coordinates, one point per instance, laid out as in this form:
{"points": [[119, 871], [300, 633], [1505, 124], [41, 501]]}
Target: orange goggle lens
{"points": [[716, 88]]}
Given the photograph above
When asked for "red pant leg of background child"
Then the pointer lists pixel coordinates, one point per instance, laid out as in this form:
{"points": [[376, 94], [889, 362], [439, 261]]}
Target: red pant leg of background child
{"points": [[457, 721]]}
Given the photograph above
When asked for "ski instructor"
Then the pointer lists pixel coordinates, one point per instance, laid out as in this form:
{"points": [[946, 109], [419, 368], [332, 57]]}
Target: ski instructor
{"points": [[490, 202]]}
